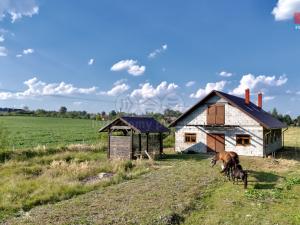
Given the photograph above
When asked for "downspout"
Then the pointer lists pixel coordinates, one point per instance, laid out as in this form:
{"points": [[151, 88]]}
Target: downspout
{"points": [[265, 146], [283, 136]]}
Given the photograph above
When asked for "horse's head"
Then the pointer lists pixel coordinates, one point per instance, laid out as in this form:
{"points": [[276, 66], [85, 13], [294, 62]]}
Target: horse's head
{"points": [[213, 161]]}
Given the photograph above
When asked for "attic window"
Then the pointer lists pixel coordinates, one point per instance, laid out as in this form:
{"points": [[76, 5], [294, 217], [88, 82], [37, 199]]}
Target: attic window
{"points": [[190, 137], [243, 140]]}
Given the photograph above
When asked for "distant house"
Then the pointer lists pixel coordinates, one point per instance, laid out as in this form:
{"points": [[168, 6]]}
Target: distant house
{"points": [[133, 137], [221, 121]]}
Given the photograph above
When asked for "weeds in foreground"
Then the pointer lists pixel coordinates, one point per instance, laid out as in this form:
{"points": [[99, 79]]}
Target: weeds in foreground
{"points": [[48, 178]]}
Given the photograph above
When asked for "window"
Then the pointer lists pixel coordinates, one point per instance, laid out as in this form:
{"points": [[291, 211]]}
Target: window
{"points": [[190, 138], [243, 139]]}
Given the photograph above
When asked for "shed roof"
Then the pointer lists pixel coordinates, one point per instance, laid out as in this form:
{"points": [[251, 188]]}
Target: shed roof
{"points": [[252, 110], [139, 124]]}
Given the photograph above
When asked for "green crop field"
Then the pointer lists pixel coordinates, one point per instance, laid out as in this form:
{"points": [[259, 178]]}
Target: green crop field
{"points": [[28, 132]]}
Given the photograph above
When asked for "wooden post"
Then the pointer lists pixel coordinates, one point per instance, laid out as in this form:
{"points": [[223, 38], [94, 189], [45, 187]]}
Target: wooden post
{"points": [[140, 144], [160, 143], [147, 142], [108, 149], [131, 135]]}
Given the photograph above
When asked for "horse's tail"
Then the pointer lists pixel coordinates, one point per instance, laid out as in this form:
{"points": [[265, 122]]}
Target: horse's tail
{"points": [[245, 180]]}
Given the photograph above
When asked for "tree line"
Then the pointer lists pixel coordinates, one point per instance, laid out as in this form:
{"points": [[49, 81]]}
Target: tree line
{"points": [[287, 119], [168, 115]]}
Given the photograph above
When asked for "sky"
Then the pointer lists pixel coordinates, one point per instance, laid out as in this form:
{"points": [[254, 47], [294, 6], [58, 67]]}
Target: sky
{"points": [[139, 56]]}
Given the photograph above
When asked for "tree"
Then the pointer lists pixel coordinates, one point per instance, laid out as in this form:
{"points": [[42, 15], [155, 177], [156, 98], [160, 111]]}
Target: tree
{"points": [[274, 113], [112, 114], [63, 110], [287, 119]]}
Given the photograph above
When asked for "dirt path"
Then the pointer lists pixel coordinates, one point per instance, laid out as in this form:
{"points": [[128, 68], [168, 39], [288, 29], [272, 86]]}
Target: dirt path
{"points": [[160, 196]]}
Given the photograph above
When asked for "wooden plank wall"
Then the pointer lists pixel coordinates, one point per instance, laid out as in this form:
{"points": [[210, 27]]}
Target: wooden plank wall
{"points": [[120, 147]]}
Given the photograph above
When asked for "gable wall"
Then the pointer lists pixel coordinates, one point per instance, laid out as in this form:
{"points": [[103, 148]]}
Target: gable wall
{"points": [[233, 116]]}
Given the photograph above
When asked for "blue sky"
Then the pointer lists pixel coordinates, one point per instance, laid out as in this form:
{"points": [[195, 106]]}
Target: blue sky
{"points": [[147, 55]]}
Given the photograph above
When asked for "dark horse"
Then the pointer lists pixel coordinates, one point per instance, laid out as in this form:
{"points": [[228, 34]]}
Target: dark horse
{"points": [[239, 173], [229, 159]]}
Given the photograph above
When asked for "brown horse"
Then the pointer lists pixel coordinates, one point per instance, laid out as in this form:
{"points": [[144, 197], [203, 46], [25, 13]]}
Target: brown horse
{"points": [[229, 159]]}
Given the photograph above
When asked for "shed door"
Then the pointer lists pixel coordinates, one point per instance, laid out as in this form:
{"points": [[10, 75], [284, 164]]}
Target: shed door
{"points": [[215, 142]]}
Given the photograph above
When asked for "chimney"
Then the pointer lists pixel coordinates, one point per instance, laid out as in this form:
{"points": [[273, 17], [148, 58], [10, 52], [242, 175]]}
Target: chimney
{"points": [[259, 100], [247, 96]]}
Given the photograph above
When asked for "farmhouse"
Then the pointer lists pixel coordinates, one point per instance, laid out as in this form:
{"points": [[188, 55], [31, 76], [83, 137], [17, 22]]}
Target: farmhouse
{"points": [[132, 137], [221, 121]]}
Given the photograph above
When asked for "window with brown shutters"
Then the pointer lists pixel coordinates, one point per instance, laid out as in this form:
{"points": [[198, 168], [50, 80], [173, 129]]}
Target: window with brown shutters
{"points": [[243, 140], [216, 115], [190, 137]]}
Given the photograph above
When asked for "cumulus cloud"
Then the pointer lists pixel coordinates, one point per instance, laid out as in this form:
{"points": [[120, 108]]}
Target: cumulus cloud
{"points": [[225, 74], [202, 92], [36, 88], [116, 90], [285, 9], [19, 55], [16, 9], [2, 39], [158, 51], [258, 83], [28, 51], [148, 91], [121, 81], [3, 51], [130, 65], [91, 62], [190, 83]]}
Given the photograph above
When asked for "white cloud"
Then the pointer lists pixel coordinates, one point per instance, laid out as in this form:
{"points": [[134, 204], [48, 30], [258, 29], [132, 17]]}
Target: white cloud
{"points": [[258, 83], [19, 55], [190, 83], [28, 51], [2, 39], [218, 86], [268, 98], [116, 90], [16, 9], [285, 9], [121, 81], [91, 62], [3, 51], [225, 74], [160, 50], [130, 66], [148, 91], [36, 88]]}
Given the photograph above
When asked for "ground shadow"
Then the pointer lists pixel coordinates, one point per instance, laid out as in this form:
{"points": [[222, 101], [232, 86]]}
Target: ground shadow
{"points": [[264, 180], [288, 153], [185, 156]]}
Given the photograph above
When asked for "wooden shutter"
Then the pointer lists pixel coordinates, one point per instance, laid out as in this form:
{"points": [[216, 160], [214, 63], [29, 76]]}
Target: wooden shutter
{"points": [[220, 114], [211, 115]]}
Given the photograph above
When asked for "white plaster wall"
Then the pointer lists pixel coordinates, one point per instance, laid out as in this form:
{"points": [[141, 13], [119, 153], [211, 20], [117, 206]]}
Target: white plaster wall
{"points": [[233, 116]]}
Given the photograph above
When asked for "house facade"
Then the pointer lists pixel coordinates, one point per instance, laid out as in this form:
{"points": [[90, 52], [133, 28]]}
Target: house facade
{"points": [[225, 122]]}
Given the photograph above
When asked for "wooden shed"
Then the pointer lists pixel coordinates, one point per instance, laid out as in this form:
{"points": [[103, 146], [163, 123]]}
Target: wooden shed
{"points": [[132, 137]]}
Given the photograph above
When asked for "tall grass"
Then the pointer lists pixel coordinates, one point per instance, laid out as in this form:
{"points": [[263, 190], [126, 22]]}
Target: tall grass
{"points": [[51, 175]]}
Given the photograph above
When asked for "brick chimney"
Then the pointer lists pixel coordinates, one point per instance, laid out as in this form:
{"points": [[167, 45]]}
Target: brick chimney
{"points": [[259, 100], [247, 96]]}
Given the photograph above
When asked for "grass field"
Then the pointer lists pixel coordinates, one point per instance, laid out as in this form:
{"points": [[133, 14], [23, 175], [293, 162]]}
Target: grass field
{"points": [[45, 185], [29, 132]]}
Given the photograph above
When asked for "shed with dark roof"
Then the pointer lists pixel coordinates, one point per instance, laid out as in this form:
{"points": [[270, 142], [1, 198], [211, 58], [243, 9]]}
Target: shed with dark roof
{"points": [[132, 137]]}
